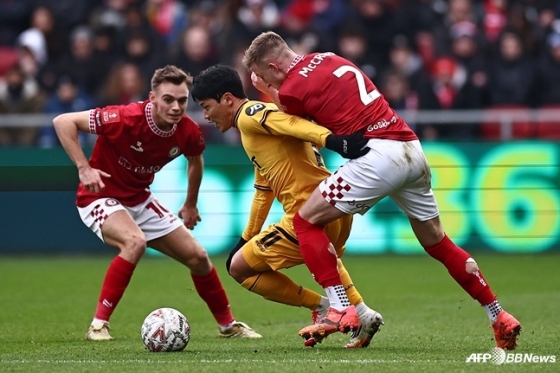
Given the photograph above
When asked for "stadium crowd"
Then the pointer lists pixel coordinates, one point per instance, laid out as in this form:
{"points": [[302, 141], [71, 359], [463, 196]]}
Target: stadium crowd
{"points": [[62, 55]]}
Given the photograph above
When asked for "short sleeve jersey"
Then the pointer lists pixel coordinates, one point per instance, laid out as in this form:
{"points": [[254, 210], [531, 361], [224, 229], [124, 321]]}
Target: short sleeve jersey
{"points": [[290, 167], [131, 148], [333, 92]]}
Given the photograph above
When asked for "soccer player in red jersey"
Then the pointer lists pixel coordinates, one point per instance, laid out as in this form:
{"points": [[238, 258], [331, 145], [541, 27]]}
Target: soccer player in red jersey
{"points": [[333, 92], [134, 142]]}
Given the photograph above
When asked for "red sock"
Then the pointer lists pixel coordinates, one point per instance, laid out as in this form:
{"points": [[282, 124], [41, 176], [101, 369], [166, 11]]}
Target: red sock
{"points": [[115, 283], [313, 244], [454, 259], [210, 289]]}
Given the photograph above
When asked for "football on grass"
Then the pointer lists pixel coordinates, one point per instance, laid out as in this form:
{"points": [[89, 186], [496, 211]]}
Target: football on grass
{"points": [[165, 330]]}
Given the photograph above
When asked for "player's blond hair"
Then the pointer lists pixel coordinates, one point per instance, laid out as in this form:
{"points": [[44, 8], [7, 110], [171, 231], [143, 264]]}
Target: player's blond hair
{"points": [[265, 47], [171, 74]]}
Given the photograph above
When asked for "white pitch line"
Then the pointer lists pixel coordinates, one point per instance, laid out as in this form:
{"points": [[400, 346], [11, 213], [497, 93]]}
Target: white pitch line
{"points": [[221, 361]]}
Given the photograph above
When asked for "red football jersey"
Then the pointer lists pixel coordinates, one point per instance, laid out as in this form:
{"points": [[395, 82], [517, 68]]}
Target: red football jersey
{"points": [[131, 148], [333, 92]]}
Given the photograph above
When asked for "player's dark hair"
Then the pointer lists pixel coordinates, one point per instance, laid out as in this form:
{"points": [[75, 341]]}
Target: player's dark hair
{"points": [[171, 74], [215, 81]]}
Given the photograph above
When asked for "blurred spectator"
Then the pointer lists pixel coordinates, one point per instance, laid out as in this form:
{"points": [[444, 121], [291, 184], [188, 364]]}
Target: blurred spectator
{"points": [[68, 97], [396, 90], [81, 63], [167, 17], [124, 85], [547, 11], [109, 14], [512, 74], [404, 60], [197, 52], [449, 89], [32, 51], [494, 19], [520, 24], [377, 21], [298, 28], [105, 46], [137, 23], [459, 11], [548, 73], [70, 13], [465, 49], [19, 94], [352, 45], [140, 50], [329, 14], [43, 20], [259, 16]]}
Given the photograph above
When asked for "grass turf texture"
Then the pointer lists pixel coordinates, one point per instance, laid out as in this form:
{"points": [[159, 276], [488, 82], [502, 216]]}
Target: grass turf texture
{"points": [[431, 324]]}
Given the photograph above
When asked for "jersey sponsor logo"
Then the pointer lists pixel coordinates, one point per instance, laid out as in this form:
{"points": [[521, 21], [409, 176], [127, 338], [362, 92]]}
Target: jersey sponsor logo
{"points": [[383, 123], [111, 202], [138, 169], [111, 116], [314, 63], [97, 119], [138, 147], [173, 152], [358, 205], [253, 109]]}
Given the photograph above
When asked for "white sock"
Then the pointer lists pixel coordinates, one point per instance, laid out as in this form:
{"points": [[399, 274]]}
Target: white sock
{"points": [[337, 297], [323, 305], [99, 320], [361, 309], [223, 328], [492, 310]]}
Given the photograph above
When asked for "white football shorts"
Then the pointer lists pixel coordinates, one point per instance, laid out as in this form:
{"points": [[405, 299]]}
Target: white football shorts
{"points": [[391, 168], [153, 219]]}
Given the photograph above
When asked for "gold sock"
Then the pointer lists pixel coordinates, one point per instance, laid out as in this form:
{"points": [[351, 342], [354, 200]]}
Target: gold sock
{"points": [[353, 294], [278, 287]]}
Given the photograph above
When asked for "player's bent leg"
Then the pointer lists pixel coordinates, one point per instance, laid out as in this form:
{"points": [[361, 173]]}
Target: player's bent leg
{"points": [[118, 230], [465, 271], [370, 320], [181, 246]]}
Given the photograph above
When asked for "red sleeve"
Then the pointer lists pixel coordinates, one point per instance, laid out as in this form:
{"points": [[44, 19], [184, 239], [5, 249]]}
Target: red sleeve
{"points": [[102, 121], [291, 104]]}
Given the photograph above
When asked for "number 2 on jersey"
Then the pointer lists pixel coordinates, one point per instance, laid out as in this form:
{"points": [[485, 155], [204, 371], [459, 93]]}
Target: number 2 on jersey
{"points": [[366, 97]]}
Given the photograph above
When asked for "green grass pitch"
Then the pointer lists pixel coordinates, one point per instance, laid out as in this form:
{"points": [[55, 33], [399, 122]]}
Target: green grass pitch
{"points": [[431, 325]]}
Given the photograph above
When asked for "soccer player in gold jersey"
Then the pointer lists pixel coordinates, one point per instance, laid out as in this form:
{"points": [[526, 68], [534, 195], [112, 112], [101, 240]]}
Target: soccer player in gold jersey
{"points": [[288, 169]]}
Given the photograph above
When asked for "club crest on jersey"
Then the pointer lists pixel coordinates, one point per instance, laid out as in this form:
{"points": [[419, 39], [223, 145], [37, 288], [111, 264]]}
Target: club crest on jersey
{"points": [[253, 109], [173, 152]]}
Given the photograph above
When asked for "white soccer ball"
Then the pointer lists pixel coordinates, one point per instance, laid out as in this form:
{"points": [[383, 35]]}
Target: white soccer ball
{"points": [[165, 330]]}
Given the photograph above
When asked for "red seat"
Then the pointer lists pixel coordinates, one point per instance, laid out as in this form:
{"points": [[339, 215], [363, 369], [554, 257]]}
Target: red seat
{"points": [[8, 58], [549, 127], [522, 127]]}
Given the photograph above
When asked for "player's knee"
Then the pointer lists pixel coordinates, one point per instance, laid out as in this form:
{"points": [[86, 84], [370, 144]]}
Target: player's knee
{"points": [[134, 247], [236, 271], [199, 261]]}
